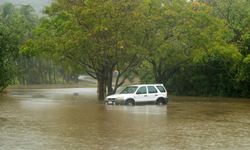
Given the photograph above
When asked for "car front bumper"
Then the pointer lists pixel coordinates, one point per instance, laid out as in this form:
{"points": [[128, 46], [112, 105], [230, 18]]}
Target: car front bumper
{"points": [[114, 102]]}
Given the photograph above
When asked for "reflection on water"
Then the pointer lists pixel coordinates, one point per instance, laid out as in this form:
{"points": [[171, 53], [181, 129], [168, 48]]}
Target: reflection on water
{"points": [[147, 109], [74, 119]]}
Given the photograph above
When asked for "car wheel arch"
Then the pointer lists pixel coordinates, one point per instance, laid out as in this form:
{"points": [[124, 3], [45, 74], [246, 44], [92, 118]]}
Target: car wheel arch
{"points": [[129, 99], [160, 99]]}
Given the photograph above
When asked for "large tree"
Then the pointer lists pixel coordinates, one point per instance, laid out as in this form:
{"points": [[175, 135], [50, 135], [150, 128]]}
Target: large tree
{"points": [[236, 15], [179, 33], [99, 36]]}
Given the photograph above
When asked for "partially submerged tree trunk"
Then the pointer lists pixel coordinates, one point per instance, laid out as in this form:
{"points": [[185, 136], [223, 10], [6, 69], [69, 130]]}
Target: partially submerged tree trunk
{"points": [[110, 81], [101, 88], [105, 84]]}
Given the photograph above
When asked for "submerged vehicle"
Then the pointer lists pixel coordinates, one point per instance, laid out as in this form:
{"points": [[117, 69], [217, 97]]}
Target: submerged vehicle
{"points": [[139, 94]]}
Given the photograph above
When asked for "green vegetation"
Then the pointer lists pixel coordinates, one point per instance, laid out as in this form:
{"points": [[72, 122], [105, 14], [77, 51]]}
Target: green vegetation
{"points": [[96, 36], [16, 25], [193, 47], [8, 46]]}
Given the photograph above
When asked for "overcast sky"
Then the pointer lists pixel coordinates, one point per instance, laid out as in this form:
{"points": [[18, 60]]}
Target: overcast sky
{"points": [[37, 4]]}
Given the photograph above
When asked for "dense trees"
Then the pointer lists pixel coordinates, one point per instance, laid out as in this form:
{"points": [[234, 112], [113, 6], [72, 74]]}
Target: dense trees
{"points": [[188, 46], [198, 47], [16, 25], [225, 72], [98, 36], [8, 46], [8, 50], [193, 55], [171, 41], [236, 14]]}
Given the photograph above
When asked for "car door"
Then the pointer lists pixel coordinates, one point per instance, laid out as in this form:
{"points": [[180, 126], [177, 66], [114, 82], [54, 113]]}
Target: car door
{"points": [[141, 94], [152, 94]]}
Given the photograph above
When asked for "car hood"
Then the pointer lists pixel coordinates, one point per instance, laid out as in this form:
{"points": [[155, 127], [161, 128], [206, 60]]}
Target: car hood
{"points": [[116, 95]]}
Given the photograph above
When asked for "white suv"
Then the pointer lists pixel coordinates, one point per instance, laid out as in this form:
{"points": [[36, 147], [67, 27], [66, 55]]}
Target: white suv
{"points": [[136, 94]]}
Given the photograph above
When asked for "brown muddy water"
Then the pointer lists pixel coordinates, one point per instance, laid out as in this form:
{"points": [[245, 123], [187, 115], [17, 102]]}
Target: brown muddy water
{"points": [[72, 119]]}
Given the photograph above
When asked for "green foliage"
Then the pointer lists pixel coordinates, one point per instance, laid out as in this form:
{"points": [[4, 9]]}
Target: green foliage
{"points": [[97, 36], [236, 14], [8, 50], [182, 33], [198, 47], [16, 25], [192, 53], [213, 75], [8, 45]]}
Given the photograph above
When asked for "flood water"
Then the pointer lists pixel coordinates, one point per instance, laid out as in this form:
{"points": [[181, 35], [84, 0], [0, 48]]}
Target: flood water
{"points": [[72, 119]]}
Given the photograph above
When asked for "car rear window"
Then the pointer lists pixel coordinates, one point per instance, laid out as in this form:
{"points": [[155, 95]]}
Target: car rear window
{"points": [[161, 89]]}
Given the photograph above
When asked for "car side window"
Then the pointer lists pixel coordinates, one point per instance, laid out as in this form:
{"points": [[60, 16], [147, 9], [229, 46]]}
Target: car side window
{"points": [[152, 89], [142, 90]]}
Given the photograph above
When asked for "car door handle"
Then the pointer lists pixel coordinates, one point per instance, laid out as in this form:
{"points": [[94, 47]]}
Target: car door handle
{"points": [[156, 94], [145, 95]]}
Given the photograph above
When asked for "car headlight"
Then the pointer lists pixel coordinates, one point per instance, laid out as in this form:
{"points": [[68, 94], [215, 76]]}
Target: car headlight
{"points": [[121, 98], [111, 99]]}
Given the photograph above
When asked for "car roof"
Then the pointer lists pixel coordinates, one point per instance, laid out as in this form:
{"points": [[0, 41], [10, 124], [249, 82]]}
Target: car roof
{"points": [[147, 85]]}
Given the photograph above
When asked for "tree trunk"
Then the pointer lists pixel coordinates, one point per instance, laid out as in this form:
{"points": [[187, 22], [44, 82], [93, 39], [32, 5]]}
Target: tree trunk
{"points": [[54, 73], [50, 72], [109, 81], [156, 73], [101, 89]]}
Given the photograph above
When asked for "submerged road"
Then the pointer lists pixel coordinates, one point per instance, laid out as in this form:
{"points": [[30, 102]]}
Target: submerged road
{"points": [[72, 119]]}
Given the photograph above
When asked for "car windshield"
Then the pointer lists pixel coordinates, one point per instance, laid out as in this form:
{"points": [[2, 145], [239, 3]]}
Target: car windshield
{"points": [[129, 90]]}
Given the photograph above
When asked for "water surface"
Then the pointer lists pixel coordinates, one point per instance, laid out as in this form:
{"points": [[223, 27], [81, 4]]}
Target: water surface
{"points": [[59, 119]]}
